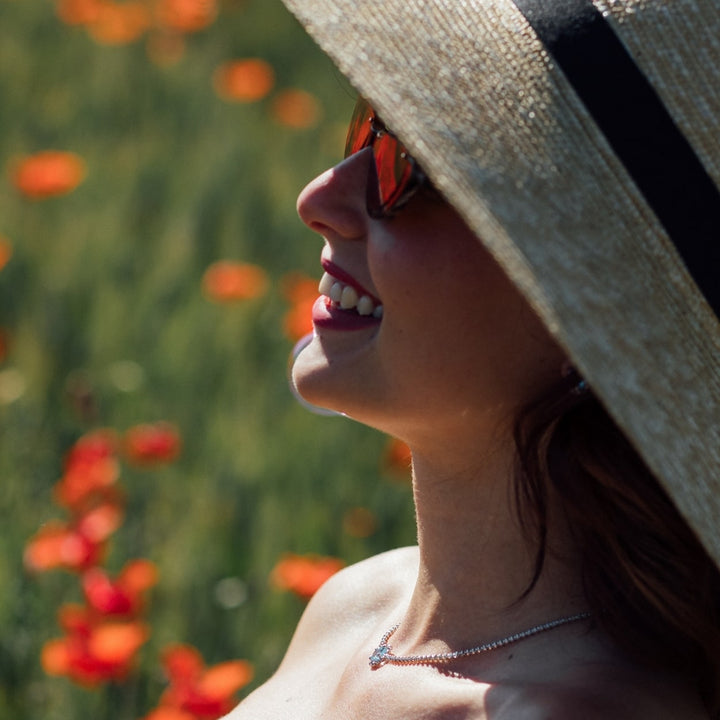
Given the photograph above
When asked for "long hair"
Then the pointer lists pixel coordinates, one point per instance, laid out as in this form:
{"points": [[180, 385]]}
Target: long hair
{"points": [[651, 586]]}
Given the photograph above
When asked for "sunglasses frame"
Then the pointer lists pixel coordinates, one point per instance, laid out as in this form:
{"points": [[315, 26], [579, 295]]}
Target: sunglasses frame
{"points": [[393, 165]]}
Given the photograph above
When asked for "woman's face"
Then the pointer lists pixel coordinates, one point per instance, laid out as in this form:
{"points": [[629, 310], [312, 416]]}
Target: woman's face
{"points": [[456, 347]]}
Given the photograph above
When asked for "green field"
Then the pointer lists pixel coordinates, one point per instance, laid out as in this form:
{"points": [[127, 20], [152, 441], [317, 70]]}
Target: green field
{"points": [[107, 326]]}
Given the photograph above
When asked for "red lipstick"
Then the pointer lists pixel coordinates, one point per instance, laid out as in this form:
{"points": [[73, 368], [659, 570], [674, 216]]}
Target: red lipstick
{"points": [[327, 314]]}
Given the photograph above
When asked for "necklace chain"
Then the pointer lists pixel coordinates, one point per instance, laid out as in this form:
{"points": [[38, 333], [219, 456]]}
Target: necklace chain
{"points": [[383, 655]]}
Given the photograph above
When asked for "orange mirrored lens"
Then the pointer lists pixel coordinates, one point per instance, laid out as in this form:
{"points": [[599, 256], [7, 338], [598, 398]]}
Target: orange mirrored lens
{"points": [[393, 167], [360, 133]]}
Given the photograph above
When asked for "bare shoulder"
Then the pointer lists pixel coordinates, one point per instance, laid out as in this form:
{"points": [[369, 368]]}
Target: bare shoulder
{"points": [[338, 620], [368, 584], [389, 567], [354, 597], [605, 692]]}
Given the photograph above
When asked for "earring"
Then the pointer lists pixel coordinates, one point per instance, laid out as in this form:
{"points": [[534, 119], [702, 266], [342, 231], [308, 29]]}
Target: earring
{"points": [[578, 385], [581, 387]]}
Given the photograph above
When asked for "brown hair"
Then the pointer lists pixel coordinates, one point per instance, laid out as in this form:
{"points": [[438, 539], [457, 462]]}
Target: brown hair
{"points": [[652, 587]]}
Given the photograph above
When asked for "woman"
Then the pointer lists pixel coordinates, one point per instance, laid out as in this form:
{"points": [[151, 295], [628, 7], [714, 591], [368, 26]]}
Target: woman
{"points": [[556, 211]]}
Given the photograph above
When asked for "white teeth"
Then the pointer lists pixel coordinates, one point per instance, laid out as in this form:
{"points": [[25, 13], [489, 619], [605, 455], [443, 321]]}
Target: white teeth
{"points": [[347, 297], [326, 282], [365, 306], [336, 292]]}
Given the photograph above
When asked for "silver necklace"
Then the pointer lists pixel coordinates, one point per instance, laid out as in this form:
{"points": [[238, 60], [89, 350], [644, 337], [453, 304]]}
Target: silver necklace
{"points": [[383, 655]]}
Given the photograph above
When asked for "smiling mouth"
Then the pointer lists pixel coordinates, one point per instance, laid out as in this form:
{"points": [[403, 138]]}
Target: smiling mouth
{"points": [[344, 296]]}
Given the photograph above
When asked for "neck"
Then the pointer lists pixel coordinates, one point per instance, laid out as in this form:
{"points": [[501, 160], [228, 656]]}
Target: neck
{"points": [[476, 561]]}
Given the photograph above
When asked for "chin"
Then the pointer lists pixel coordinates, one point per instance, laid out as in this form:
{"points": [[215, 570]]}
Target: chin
{"points": [[323, 391], [341, 383], [314, 401], [311, 379]]}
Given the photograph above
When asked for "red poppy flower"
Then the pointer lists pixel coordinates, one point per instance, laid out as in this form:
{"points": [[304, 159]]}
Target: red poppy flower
{"points": [[246, 80], [119, 23], [79, 12], [206, 693], [397, 460], [169, 713], [296, 109], [90, 467], [230, 281], [92, 446], [152, 444], [84, 478], [100, 516], [93, 652], [304, 574], [75, 619], [302, 292], [123, 596], [49, 173], [62, 545], [186, 16]]}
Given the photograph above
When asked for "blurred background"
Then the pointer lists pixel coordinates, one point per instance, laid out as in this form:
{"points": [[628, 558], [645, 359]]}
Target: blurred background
{"points": [[154, 278]]}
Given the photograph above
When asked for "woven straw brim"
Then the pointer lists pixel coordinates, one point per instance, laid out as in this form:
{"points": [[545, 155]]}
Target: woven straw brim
{"points": [[472, 92]]}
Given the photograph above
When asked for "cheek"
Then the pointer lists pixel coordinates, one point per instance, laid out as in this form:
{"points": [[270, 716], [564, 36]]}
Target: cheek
{"points": [[456, 326], [443, 287], [456, 333]]}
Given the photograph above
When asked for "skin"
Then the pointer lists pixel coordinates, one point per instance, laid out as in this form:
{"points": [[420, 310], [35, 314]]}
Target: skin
{"points": [[457, 353]]}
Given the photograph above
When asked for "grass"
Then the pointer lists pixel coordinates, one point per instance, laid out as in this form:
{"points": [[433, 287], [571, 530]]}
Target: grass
{"points": [[105, 284]]}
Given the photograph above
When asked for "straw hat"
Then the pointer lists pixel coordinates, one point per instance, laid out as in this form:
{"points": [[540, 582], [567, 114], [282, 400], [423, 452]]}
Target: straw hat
{"points": [[581, 142]]}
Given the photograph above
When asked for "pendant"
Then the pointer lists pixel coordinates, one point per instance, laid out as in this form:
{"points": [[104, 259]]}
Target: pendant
{"points": [[378, 658]]}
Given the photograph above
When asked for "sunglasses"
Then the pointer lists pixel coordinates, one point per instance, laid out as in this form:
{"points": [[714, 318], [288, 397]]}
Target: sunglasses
{"points": [[397, 175]]}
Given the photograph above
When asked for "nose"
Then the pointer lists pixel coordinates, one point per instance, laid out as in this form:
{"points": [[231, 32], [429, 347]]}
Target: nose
{"points": [[334, 203]]}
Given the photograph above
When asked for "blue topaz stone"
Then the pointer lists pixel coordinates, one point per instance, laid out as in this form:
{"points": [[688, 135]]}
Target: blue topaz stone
{"points": [[379, 655]]}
